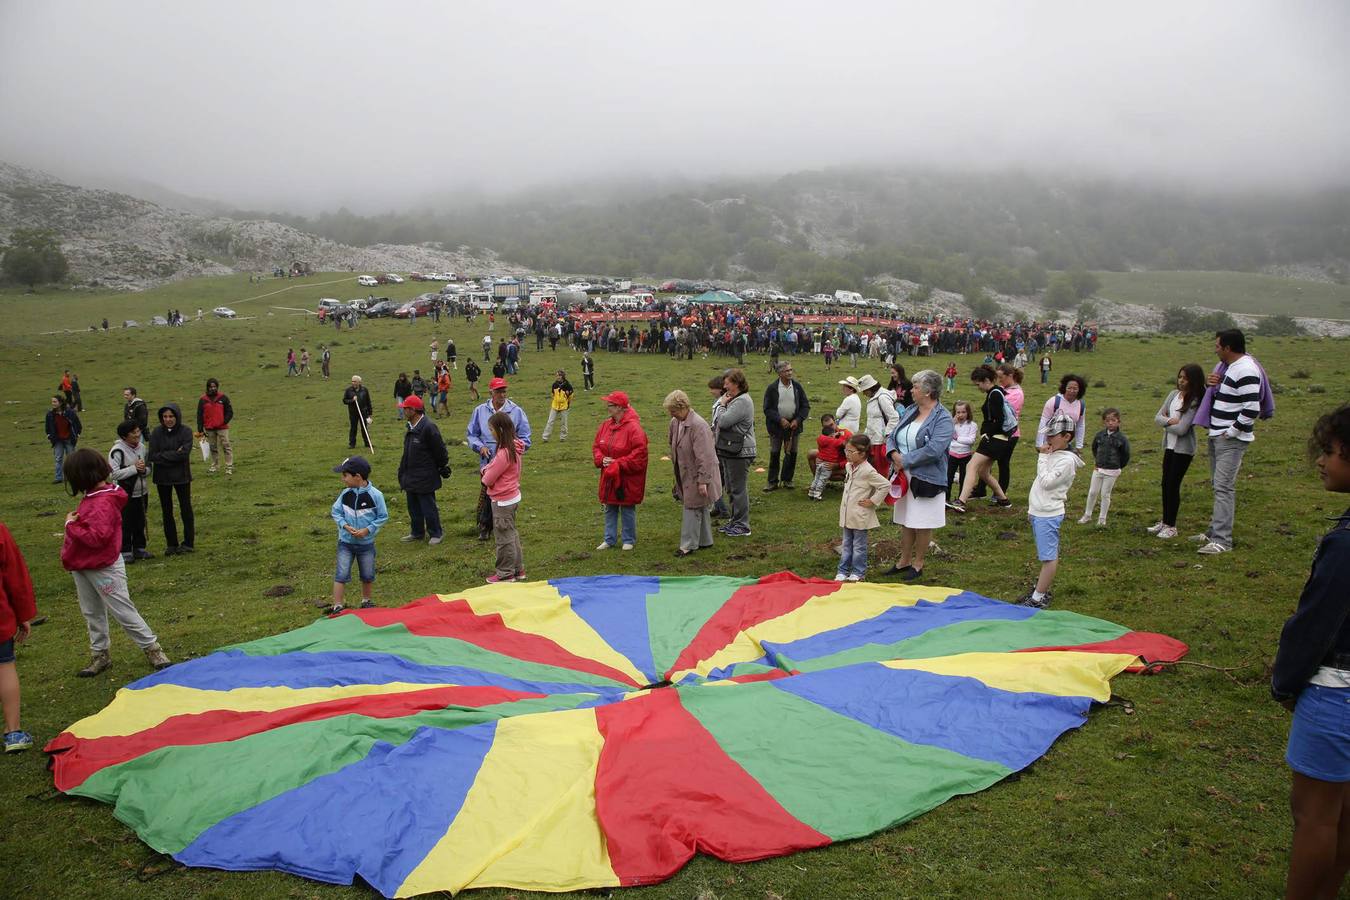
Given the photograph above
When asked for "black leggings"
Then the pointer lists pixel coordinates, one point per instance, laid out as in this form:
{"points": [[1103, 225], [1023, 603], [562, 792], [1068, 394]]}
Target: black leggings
{"points": [[956, 473], [1002, 463], [1173, 470], [166, 492]]}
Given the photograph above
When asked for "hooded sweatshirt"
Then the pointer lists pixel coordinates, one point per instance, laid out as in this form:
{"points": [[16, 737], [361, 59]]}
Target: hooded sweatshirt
{"points": [[171, 449], [94, 539], [1054, 477]]}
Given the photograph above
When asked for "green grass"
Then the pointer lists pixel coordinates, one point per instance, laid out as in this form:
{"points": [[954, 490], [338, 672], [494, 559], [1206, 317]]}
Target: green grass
{"points": [[1187, 795], [1235, 292]]}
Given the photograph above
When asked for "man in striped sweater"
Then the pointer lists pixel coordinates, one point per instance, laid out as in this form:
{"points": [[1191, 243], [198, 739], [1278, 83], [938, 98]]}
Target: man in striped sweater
{"points": [[1233, 413]]}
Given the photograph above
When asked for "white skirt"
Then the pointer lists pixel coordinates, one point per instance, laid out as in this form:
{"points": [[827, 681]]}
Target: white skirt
{"points": [[920, 512]]}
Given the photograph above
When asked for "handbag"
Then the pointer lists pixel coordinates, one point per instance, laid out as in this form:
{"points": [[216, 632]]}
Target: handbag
{"points": [[729, 443], [920, 488]]}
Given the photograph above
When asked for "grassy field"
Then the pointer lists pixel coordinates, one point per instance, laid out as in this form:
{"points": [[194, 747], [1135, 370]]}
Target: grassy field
{"points": [[1184, 796], [1235, 292]]}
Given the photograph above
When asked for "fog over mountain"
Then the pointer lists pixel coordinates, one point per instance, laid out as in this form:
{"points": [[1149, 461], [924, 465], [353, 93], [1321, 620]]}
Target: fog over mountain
{"points": [[312, 105]]}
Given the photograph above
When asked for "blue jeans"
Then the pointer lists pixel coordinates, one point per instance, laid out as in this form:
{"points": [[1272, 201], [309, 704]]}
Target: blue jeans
{"points": [[364, 554], [425, 516], [613, 513], [854, 559], [59, 451]]}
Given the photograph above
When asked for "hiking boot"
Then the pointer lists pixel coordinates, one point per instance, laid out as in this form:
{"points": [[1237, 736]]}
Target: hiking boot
{"points": [[17, 741], [155, 656], [99, 660]]}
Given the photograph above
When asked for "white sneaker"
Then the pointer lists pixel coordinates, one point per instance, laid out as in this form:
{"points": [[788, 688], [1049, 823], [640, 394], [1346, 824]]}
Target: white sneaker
{"points": [[434, 541], [1084, 520], [1199, 539], [854, 578], [1156, 527], [1166, 532], [1213, 549], [627, 546], [841, 577], [604, 545]]}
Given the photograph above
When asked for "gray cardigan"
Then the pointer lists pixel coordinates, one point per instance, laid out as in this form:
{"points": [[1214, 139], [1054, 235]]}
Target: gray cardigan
{"points": [[1184, 430], [739, 416]]}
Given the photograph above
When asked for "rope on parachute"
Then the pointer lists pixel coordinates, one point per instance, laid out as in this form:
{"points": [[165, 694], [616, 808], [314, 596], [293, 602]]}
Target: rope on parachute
{"points": [[1153, 668]]}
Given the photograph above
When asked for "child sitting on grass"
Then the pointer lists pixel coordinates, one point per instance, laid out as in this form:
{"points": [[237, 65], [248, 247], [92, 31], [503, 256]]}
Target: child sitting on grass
{"points": [[359, 512], [501, 477], [1055, 469], [829, 455], [1111, 452], [864, 489], [92, 553], [18, 608]]}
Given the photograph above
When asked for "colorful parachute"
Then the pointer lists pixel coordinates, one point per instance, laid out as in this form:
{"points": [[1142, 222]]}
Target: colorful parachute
{"points": [[589, 732]]}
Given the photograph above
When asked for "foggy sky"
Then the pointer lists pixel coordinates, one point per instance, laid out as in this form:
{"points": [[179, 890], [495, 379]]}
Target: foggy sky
{"points": [[305, 106]]}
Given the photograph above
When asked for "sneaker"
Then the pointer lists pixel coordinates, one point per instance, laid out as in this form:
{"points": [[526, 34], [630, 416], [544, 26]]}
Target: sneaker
{"points": [[409, 538], [18, 741], [1166, 532], [1155, 528], [212, 470], [786, 485], [367, 604], [434, 541], [334, 610], [1005, 502], [495, 579], [1043, 603], [770, 488], [143, 554], [854, 578], [1025, 599], [912, 575], [1214, 549], [1083, 520], [957, 506], [129, 558], [172, 551], [1199, 539], [186, 548], [520, 576], [604, 545], [627, 547], [841, 577], [738, 532]]}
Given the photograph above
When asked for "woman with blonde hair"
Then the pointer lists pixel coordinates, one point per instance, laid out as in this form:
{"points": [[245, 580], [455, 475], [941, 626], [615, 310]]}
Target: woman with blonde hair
{"points": [[698, 479]]}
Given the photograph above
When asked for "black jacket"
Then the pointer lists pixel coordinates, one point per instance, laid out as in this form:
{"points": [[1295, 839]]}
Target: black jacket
{"points": [[424, 460], [171, 450], [137, 411], [1319, 629], [1111, 451], [358, 399], [770, 407], [74, 420]]}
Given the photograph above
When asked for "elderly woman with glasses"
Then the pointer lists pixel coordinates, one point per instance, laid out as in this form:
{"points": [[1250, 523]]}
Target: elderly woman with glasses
{"points": [[918, 446], [698, 479]]}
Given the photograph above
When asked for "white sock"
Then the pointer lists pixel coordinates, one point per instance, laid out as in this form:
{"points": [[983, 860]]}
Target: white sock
{"points": [[1037, 595]]}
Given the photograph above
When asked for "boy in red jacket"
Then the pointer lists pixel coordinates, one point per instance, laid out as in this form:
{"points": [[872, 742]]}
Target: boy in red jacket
{"points": [[17, 611], [92, 553], [829, 456]]}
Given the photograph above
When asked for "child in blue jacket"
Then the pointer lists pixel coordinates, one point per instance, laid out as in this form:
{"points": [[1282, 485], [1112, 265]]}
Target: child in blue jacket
{"points": [[359, 512]]}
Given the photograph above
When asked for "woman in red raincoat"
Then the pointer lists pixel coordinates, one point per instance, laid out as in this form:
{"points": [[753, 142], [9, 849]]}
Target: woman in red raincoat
{"points": [[620, 452]]}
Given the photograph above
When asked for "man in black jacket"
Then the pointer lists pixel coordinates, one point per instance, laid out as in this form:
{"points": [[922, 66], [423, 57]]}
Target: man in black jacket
{"points": [[171, 456], [785, 409], [425, 462], [135, 410], [359, 406]]}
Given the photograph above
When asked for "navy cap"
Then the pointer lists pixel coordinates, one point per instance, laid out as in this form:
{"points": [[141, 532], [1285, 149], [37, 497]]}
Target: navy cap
{"points": [[356, 465]]}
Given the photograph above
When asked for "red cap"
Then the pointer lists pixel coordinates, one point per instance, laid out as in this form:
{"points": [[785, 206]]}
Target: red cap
{"points": [[412, 401], [618, 398], [497, 384]]}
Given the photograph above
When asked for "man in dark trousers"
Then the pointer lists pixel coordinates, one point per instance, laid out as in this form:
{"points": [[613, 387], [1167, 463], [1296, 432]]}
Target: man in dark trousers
{"points": [[785, 409], [359, 406], [425, 462], [587, 371], [136, 411], [213, 422]]}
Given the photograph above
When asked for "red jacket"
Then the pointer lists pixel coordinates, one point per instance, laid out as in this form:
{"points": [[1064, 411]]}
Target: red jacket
{"points": [[830, 447], [17, 603], [624, 481], [94, 539]]}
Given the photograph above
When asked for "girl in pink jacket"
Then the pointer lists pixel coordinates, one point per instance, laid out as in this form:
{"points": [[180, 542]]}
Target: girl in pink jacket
{"points": [[92, 553], [501, 478]]}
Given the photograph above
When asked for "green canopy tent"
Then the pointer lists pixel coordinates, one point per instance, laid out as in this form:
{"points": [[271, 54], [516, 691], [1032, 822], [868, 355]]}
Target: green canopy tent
{"points": [[717, 297]]}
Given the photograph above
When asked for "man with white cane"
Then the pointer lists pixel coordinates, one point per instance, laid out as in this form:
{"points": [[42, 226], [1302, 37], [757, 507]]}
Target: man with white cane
{"points": [[360, 411]]}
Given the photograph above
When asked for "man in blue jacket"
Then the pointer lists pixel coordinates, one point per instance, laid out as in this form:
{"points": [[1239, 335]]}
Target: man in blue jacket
{"points": [[481, 441]]}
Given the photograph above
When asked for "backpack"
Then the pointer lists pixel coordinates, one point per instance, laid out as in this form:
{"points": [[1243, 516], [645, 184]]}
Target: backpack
{"points": [[1010, 415]]}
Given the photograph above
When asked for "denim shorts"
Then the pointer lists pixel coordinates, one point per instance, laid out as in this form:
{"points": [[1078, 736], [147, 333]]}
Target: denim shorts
{"points": [[1046, 530], [6, 651], [364, 554], [1319, 739]]}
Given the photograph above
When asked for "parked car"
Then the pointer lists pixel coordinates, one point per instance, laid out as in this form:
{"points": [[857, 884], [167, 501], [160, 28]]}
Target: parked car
{"points": [[329, 303], [223, 312], [418, 276], [421, 305], [367, 281], [393, 279], [382, 309]]}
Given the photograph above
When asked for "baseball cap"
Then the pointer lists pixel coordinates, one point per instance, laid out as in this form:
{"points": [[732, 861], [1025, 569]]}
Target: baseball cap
{"points": [[356, 465], [497, 384], [412, 401], [618, 398], [1060, 423]]}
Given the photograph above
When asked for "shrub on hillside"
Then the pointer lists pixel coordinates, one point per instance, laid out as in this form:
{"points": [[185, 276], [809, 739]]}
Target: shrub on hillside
{"points": [[1182, 320], [1279, 326]]}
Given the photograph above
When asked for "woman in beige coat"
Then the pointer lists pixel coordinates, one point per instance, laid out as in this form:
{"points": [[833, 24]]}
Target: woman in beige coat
{"points": [[698, 481]]}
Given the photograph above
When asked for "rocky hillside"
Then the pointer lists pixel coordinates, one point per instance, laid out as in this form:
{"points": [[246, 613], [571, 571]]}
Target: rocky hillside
{"points": [[114, 240]]}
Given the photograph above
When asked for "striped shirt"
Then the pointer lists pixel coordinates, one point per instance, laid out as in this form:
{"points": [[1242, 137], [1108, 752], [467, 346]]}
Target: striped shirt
{"points": [[1237, 401]]}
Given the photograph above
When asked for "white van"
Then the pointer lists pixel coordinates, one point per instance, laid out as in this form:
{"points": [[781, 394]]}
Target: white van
{"points": [[481, 300], [849, 298]]}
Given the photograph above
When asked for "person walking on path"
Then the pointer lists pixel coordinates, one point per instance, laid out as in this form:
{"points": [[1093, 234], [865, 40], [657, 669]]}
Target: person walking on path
{"points": [[786, 408], [1238, 394], [620, 453], [359, 406], [92, 554], [214, 414], [560, 403], [698, 476], [483, 441], [18, 609], [424, 463], [63, 432], [170, 455], [1176, 418], [129, 469]]}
